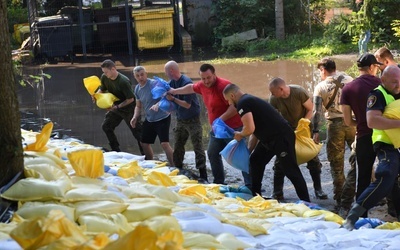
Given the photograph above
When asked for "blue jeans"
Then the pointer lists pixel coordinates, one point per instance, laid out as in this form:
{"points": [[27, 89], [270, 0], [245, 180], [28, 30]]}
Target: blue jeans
{"points": [[386, 175], [215, 146]]}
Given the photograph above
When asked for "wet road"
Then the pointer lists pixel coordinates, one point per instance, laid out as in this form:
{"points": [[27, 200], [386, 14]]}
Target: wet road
{"points": [[64, 100]]}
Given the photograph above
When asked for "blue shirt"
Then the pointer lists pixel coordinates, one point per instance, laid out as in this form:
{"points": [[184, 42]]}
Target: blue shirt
{"points": [[181, 112], [144, 95]]}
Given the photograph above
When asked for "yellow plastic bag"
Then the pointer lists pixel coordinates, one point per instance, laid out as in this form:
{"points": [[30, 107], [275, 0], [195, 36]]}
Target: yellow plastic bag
{"points": [[306, 148], [41, 139], [392, 111], [105, 100], [144, 238], [41, 231], [160, 179], [129, 170], [87, 162], [92, 83]]}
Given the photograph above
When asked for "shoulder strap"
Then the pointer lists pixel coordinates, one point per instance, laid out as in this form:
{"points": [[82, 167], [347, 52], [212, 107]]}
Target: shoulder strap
{"points": [[338, 83]]}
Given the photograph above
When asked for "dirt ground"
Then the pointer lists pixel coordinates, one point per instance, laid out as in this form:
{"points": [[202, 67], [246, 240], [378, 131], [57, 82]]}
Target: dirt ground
{"points": [[234, 177]]}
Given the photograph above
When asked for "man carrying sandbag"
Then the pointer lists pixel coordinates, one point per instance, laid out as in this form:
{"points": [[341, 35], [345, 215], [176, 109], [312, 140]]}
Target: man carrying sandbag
{"points": [[275, 137], [119, 85], [389, 157], [294, 103]]}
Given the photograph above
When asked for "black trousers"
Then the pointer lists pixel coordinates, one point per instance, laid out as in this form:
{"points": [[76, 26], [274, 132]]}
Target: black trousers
{"points": [[283, 147]]}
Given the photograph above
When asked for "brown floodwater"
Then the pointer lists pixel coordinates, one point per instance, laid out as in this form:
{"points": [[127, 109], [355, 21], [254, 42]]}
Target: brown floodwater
{"points": [[64, 100]]}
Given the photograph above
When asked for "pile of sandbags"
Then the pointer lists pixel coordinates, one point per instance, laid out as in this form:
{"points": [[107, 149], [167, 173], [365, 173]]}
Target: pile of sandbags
{"points": [[75, 196]]}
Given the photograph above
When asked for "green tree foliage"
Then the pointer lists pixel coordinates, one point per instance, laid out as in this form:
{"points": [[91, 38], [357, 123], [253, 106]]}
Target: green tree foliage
{"points": [[374, 15], [242, 15]]}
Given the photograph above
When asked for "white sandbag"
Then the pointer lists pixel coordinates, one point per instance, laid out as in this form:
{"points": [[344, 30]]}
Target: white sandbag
{"points": [[198, 222]]}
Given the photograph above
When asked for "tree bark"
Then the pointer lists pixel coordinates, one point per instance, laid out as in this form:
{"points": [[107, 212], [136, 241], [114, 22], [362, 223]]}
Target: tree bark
{"points": [[279, 20], [11, 153]]}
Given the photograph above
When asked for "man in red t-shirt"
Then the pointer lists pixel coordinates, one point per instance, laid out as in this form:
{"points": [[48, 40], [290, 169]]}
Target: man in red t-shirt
{"points": [[210, 88]]}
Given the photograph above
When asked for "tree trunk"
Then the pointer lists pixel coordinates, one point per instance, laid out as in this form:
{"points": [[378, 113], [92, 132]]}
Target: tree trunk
{"points": [[11, 153], [279, 20]]}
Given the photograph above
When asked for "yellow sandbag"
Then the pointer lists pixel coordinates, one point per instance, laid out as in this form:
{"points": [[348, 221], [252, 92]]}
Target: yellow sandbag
{"points": [[91, 194], [230, 242], [160, 179], [92, 83], [97, 242], [390, 225], [141, 209], [32, 189], [97, 222], [163, 192], [161, 224], [297, 209], [87, 162], [140, 238], [107, 207], [259, 202], [254, 228], [200, 241], [392, 111], [306, 148], [144, 238], [31, 210], [330, 216], [41, 139], [44, 171], [129, 170], [41, 231], [31, 157], [105, 100], [196, 191]]}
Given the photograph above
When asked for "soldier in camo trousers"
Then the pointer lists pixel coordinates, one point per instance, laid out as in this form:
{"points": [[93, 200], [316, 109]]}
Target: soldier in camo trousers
{"points": [[327, 96], [188, 121]]}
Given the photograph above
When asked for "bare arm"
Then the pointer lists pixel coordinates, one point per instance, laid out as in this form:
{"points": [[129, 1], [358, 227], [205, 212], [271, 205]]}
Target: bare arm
{"points": [[308, 105], [347, 117], [317, 113], [376, 120], [229, 113], [248, 127], [178, 101], [126, 102], [252, 143], [187, 89], [136, 113]]}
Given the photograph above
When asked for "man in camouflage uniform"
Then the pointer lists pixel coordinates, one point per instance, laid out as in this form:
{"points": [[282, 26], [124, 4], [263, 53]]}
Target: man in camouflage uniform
{"points": [[294, 103], [188, 121], [327, 96]]}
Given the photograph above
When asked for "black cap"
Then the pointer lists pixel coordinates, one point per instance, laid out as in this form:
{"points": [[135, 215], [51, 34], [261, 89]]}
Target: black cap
{"points": [[367, 59]]}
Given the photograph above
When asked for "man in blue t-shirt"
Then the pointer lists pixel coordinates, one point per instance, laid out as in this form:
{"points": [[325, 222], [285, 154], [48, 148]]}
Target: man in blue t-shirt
{"points": [[156, 123], [188, 121]]}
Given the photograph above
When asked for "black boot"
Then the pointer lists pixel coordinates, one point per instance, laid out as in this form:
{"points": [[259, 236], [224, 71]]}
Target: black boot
{"points": [[316, 177], [203, 176], [354, 214]]}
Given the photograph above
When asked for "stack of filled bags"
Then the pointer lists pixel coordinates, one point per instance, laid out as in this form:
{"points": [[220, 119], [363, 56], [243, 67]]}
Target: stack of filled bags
{"points": [[75, 196]]}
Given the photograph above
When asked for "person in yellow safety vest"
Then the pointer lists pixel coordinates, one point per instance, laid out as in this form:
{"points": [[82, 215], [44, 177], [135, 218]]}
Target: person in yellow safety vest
{"points": [[389, 157]]}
